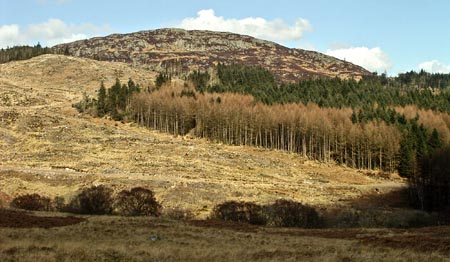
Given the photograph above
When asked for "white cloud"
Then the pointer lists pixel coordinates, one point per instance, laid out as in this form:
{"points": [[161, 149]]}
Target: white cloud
{"points": [[434, 66], [275, 30], [372, 59], [9, 35], [49, 33]]}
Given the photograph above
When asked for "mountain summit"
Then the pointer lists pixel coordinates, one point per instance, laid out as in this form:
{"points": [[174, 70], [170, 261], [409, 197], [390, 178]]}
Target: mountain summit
{"points": [[180, 51]]}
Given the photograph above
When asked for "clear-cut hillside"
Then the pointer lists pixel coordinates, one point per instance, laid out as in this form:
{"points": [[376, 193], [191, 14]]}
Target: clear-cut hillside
{"points": [[47, 147], [181, 51]]}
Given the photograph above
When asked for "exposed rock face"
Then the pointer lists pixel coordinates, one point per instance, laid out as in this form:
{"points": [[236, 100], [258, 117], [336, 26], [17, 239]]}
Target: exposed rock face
{"points": [[181, 51]]}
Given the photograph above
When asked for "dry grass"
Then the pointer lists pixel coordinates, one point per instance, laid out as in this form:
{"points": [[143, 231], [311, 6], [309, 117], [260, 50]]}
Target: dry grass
{"points": [[50, 149], [46, 147], [130, 239]]}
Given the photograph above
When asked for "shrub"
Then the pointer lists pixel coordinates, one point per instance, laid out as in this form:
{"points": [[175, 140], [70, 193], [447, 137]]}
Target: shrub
{"points": [[283, 213], [137, 202], [58, 204], [345, 218], [96, 200], [288, 213], [31, 202], [379, 218], [240, 212]]}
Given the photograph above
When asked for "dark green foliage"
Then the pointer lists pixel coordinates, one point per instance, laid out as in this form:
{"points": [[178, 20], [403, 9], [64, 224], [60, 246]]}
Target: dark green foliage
{"points": [[426, 167], [363, 95], [369, 113], [340, 93], [101, 101], [31, 202], [115, 97], [137, 202], [113, 101], [424, 79], [431, 187], [22, 53], [96, 200], [118, 99], [200, 80], [161, 79], [246, 212], [253, 80], [412, 148], [288, 213], [428, 91], [407, 159], [434, 142]]}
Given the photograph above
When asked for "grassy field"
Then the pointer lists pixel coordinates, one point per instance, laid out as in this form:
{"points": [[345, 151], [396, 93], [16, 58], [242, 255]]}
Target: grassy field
{"points": [[158, 239], [47, 147]]}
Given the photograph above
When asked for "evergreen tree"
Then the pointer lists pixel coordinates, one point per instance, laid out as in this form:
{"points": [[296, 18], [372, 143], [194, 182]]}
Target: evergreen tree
{"points": [[161, 79], [101, 102], [406, 159], [114, 98], [434, 142]]}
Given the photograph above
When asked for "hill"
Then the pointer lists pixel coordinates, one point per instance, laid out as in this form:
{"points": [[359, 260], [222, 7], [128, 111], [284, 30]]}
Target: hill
{"points": [[181, 51], [49, 148]]}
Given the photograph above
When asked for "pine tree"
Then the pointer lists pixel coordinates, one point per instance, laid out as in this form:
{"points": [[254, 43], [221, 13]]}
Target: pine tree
{"points": [[407, 154], [434, 142], [101, 103], [114, 98]]}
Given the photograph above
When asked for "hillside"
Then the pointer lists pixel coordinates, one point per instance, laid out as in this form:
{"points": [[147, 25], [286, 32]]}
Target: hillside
{"points": [[49, 148], [181, 51]]}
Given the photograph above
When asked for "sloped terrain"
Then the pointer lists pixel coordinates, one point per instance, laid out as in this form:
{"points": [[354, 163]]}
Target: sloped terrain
{"points": [[181, 51], [47, 147]]}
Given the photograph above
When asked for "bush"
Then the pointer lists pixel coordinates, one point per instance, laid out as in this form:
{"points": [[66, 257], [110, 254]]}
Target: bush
{"points": [[283, 213], [137, 202], [345, 218], [240, 212], [288, 213], [32, 202], [58, 204], [378, 218], [96, 200]]}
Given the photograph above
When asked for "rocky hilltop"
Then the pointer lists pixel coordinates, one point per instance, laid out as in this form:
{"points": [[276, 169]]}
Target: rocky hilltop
{"points": [[179, 51]]}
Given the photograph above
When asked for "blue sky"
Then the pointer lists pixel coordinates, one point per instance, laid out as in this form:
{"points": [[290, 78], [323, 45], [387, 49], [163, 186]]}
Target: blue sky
{"points": [[381, 35]]}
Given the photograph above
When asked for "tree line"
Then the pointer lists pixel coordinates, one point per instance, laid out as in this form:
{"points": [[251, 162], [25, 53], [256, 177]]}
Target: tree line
{"points": [[114, 101], [374, 131], [22, 52], [357, 137], [318, 133], [425, 90]]}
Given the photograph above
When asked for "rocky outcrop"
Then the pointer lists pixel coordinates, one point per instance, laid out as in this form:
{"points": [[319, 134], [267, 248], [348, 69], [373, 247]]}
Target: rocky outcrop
{"points": [[180, 51]]}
